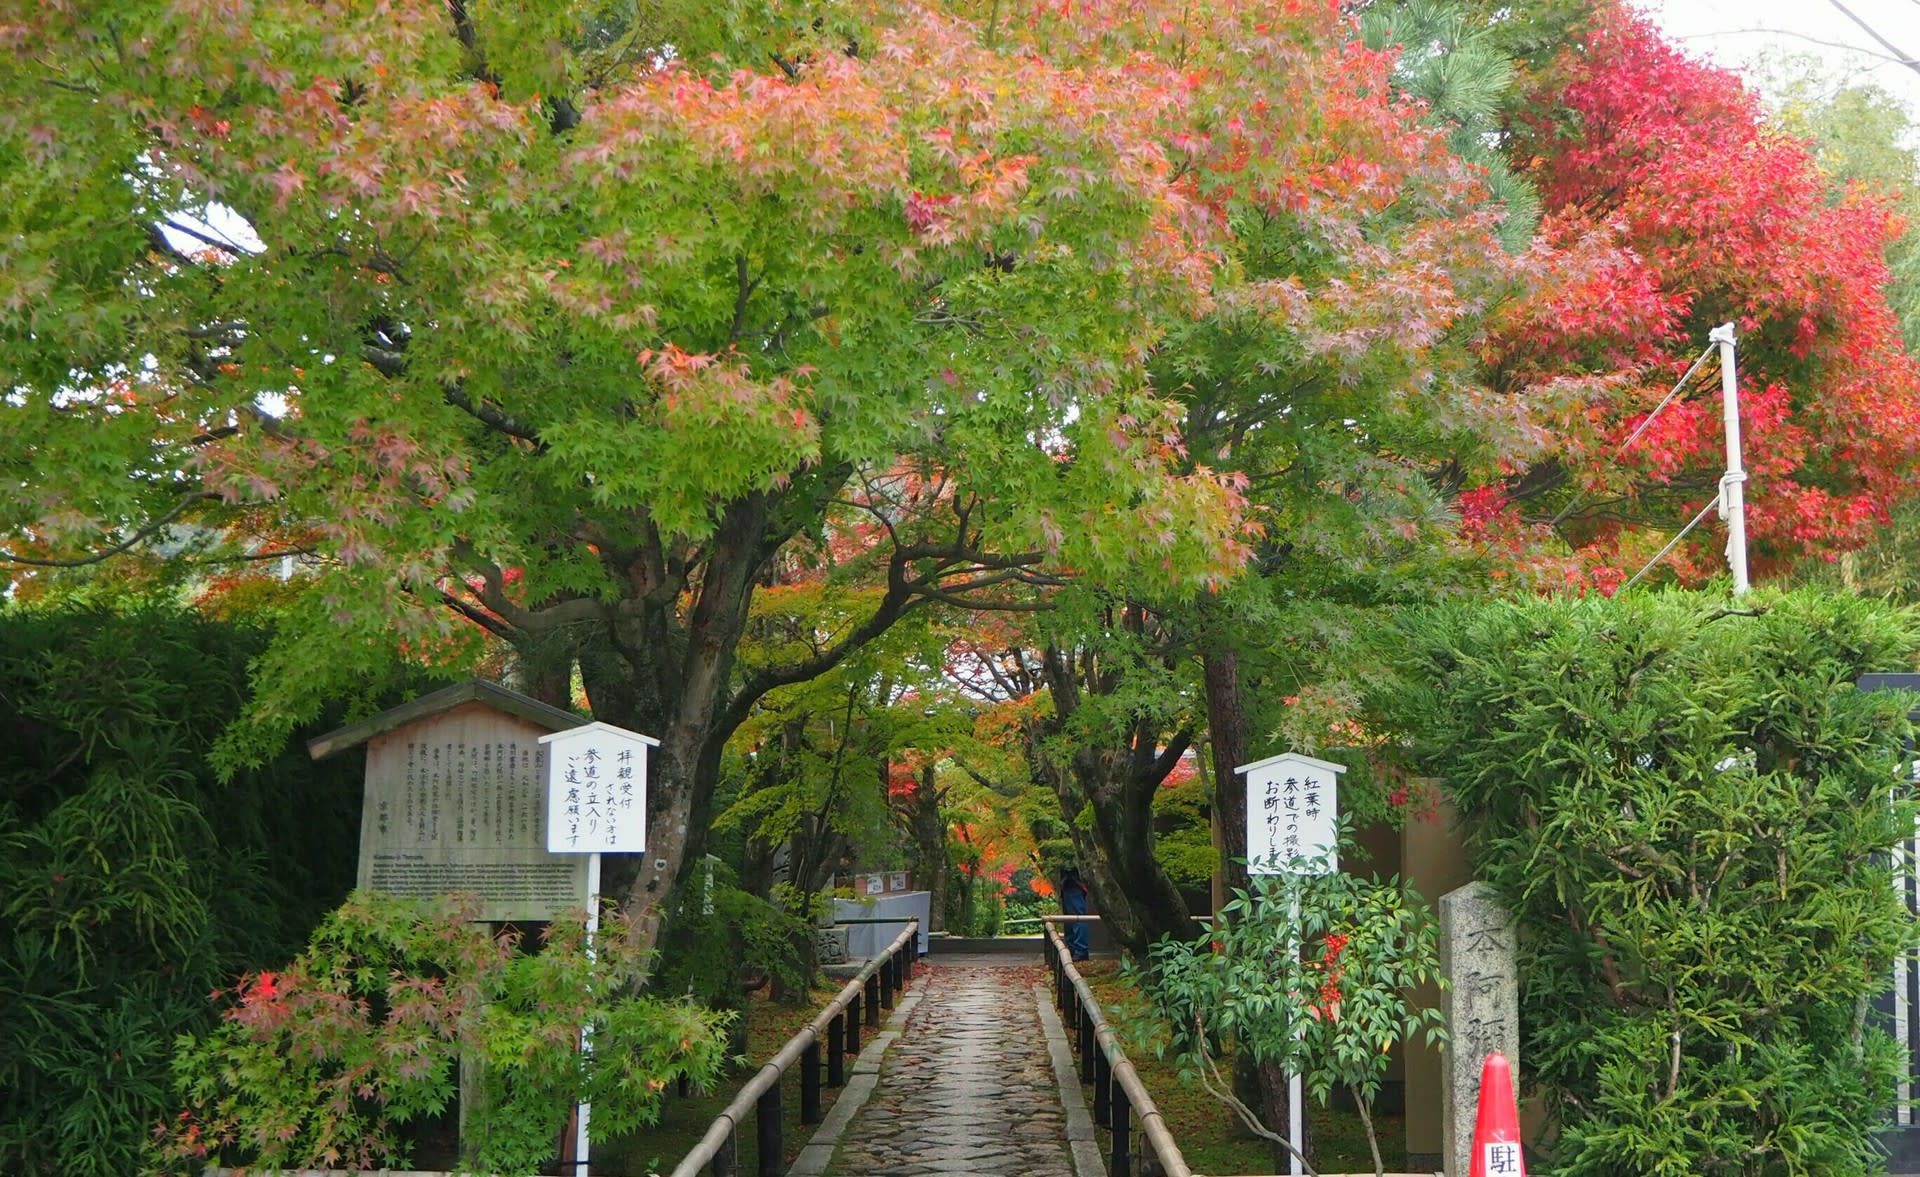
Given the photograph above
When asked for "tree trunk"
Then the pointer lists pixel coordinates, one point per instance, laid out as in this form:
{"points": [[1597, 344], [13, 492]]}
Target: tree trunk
{"points": [[928, 830], [672, 680], [1273, 1113], [1113, 779], [814, 854], [544, 675], [1227, 731], [759, 864], [1138, 902], [804, 949], [1216, 834], [966, 901], [684, 775]]}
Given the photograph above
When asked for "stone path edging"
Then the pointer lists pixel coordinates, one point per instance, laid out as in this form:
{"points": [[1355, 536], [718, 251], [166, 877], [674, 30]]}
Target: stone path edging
{"points": [[862, 1077], [1081, 1137]]}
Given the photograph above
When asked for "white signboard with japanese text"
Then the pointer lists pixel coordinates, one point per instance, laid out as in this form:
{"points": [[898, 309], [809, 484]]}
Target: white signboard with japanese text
{"points": [[597, 790], [1292, 807]]}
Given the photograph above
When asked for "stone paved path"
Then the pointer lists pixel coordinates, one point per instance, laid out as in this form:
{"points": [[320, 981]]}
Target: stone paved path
{"points": [[967, 1089]]}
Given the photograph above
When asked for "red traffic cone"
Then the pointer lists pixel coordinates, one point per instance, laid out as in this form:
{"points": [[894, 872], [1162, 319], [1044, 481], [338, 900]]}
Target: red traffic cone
{"points": [[1496, 1131]]}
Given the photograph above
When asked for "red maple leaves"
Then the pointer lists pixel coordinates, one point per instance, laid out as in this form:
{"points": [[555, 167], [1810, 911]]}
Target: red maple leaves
{"points": [[1677, 207]]}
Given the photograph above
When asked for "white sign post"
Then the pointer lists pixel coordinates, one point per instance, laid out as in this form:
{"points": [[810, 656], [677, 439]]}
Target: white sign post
{"points": [[596, 804], [1293, 804]]}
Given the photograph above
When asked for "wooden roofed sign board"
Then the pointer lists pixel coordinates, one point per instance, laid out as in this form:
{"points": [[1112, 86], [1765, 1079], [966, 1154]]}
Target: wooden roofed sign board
{"points": [[456, 800], [477, 788]]}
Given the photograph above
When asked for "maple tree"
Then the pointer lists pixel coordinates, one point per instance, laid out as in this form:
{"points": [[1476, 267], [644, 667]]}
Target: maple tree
{"points": [[822, 776], [559, 327], [330, 1060], [1331, 372], [1675, 206]]}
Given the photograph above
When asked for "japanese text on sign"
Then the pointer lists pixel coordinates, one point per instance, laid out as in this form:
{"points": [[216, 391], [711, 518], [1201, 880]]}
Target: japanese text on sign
{"points": [[597, 790], [1292, 804]]}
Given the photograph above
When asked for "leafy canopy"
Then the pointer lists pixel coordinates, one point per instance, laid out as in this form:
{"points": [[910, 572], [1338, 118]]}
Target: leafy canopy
{"points": [[535, 315]]}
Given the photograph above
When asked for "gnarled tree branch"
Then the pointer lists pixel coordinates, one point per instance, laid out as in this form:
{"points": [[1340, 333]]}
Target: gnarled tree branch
{"points": [[127, 544]]}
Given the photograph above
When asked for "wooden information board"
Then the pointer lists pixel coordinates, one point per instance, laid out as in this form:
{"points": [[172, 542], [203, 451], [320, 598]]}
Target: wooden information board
{"points": [[456, 800]]}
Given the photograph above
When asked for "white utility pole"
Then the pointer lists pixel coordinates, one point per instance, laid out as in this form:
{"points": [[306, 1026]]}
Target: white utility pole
{"points": [[1733, 498]]}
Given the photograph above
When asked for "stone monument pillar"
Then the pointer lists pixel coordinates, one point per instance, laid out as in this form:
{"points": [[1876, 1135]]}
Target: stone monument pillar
{"points": [[1482, 1006]]}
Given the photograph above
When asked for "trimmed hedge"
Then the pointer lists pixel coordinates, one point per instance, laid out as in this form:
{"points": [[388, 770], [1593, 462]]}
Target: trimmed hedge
{"points": [[1690, 808]]}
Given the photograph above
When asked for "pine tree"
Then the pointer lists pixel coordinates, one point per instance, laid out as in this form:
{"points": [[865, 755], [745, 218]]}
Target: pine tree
{"points": [[1457, 67]]}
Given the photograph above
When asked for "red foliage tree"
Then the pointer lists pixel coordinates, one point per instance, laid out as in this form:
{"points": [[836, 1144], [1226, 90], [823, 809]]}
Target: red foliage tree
{"points": [[1676, 207]]}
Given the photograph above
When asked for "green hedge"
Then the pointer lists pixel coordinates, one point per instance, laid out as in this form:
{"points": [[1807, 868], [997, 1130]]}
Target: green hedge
{"points": [[132, 882], [1688, 807]]}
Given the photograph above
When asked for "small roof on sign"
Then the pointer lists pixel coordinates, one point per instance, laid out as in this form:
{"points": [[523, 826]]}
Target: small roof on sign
{"points": [[1294, 758], [597, 726], [474, 690]]}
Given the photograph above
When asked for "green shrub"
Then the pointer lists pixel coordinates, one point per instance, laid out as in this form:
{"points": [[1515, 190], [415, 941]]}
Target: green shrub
{"points": [[719, 938], [132, 880], [325, 1062], [1305, 975], [1183, 826], [1689, 809]]}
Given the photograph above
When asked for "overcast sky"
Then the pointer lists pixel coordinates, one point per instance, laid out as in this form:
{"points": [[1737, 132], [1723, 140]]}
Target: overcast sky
{"points": [[1724, 31]]}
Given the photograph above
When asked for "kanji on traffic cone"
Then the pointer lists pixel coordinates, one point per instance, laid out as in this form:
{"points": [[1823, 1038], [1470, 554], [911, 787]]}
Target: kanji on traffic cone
{"points": [[1496, 1131]]}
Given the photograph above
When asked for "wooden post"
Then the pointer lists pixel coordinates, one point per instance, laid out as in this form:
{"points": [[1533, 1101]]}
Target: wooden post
{"points": [[767, 1122], [1089, 1047], [1217, 885], [836, 1051], [1102, 1089], [471, 1093], [810, 1084]]}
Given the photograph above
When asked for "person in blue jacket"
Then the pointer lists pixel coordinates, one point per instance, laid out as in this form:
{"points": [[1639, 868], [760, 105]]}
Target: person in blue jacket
{"points": [[1073, 901]]}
